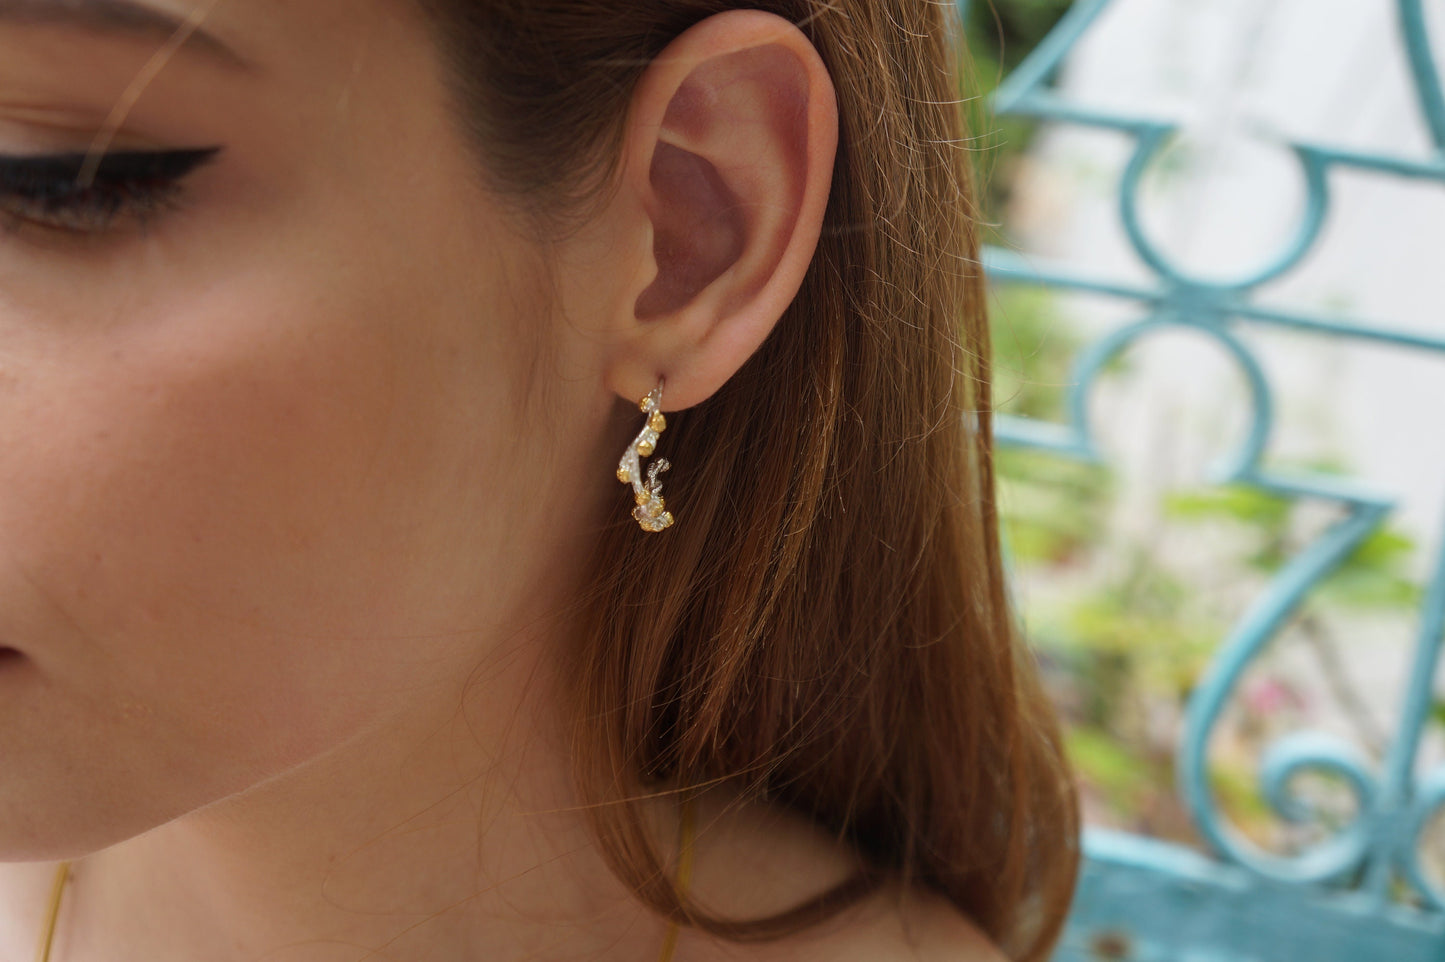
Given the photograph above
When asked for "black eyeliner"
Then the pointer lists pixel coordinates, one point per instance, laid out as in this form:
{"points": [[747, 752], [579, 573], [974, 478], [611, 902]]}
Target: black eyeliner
{"points": [[47, 176]]}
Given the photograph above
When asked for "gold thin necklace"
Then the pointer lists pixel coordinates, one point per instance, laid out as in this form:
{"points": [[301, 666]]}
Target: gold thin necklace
{"points": [[669, 941], [62, 875], [684, 874]]}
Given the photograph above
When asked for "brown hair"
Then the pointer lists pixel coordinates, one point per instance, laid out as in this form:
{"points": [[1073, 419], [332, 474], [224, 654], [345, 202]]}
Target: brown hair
{"points": [[828, 622]]}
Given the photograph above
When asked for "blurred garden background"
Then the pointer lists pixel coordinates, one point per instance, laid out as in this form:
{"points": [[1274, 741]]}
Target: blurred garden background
{"points": [[1130, 573]]}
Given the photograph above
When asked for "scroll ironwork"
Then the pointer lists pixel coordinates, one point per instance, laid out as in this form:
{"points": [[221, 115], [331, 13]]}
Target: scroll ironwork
{"points": [[1393, 806]]}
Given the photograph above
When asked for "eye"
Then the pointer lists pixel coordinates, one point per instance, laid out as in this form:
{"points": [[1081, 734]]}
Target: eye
{"points": [[54, 191]]}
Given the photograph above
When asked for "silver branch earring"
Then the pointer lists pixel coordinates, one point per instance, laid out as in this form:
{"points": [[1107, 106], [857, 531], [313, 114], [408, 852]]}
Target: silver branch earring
{"points": [[650, 512]]}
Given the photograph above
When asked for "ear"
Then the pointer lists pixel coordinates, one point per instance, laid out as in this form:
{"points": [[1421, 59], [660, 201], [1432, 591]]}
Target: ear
{"points": [[726, 170]]}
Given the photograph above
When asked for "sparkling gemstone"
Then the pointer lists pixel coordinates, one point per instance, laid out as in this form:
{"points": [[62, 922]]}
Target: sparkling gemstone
{"points": [[656, 524]]}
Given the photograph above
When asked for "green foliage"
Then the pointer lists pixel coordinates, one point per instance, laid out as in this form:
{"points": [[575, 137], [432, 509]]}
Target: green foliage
{"points": [[1152, 620], [1238, 792], [1133, 782], [1266, 515], [1052, 509], [999, 34], [1232, 503], [1111, 768], [1374, 575], [1034, 345]]}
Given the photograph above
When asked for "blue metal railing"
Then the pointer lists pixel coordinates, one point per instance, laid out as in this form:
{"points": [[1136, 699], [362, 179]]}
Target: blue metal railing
{"points": [[1382, 844]]}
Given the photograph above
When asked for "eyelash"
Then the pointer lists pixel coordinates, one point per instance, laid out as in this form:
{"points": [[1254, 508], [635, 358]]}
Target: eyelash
{"points": [[45, 190]]}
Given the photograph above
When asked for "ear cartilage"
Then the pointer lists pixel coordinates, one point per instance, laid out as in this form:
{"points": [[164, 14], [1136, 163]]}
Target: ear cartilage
{"points": [[651, 512]]}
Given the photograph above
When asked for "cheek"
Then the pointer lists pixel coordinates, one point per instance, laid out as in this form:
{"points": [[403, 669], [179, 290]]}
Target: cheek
{"points": [[201, 527]]}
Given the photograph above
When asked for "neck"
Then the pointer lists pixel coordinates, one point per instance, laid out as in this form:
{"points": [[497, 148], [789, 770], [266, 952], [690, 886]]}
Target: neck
{"points": [[444, 836]]}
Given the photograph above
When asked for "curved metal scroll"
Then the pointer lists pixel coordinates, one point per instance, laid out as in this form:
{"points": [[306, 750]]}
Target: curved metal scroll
{"points": [[1392, 807]]}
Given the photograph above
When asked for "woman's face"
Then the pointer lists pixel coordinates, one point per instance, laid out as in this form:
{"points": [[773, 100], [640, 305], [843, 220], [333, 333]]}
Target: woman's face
{"points": [[268, 468]]}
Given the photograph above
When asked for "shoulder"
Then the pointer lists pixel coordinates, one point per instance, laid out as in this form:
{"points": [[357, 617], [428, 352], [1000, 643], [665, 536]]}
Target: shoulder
{"points": [[916, 927], [754, 861], [24, 896], [897, 927]]}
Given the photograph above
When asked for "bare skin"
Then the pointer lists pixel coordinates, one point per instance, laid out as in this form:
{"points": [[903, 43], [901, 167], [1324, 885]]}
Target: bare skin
{"points": [[295, 481], [783, 859]]}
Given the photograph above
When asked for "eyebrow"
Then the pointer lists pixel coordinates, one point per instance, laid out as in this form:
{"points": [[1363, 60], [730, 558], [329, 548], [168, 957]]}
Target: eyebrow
{"points": [[125, 18]]}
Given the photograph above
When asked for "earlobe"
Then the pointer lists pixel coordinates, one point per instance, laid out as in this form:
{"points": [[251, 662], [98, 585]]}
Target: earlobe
{"points": [[730, 150]]}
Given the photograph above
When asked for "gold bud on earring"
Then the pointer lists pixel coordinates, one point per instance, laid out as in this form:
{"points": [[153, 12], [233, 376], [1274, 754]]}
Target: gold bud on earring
{"points": [[650, 513]]}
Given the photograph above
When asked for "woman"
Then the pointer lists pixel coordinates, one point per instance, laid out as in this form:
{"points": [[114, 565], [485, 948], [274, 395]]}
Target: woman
{"points": [[330, 633]]}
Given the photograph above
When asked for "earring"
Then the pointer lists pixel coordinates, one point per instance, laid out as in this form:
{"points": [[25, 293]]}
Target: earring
{"points": [[651, 513]]}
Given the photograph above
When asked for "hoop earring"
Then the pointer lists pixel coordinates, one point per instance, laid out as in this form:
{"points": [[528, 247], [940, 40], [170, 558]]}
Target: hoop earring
{"points": [[651, 513]]}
